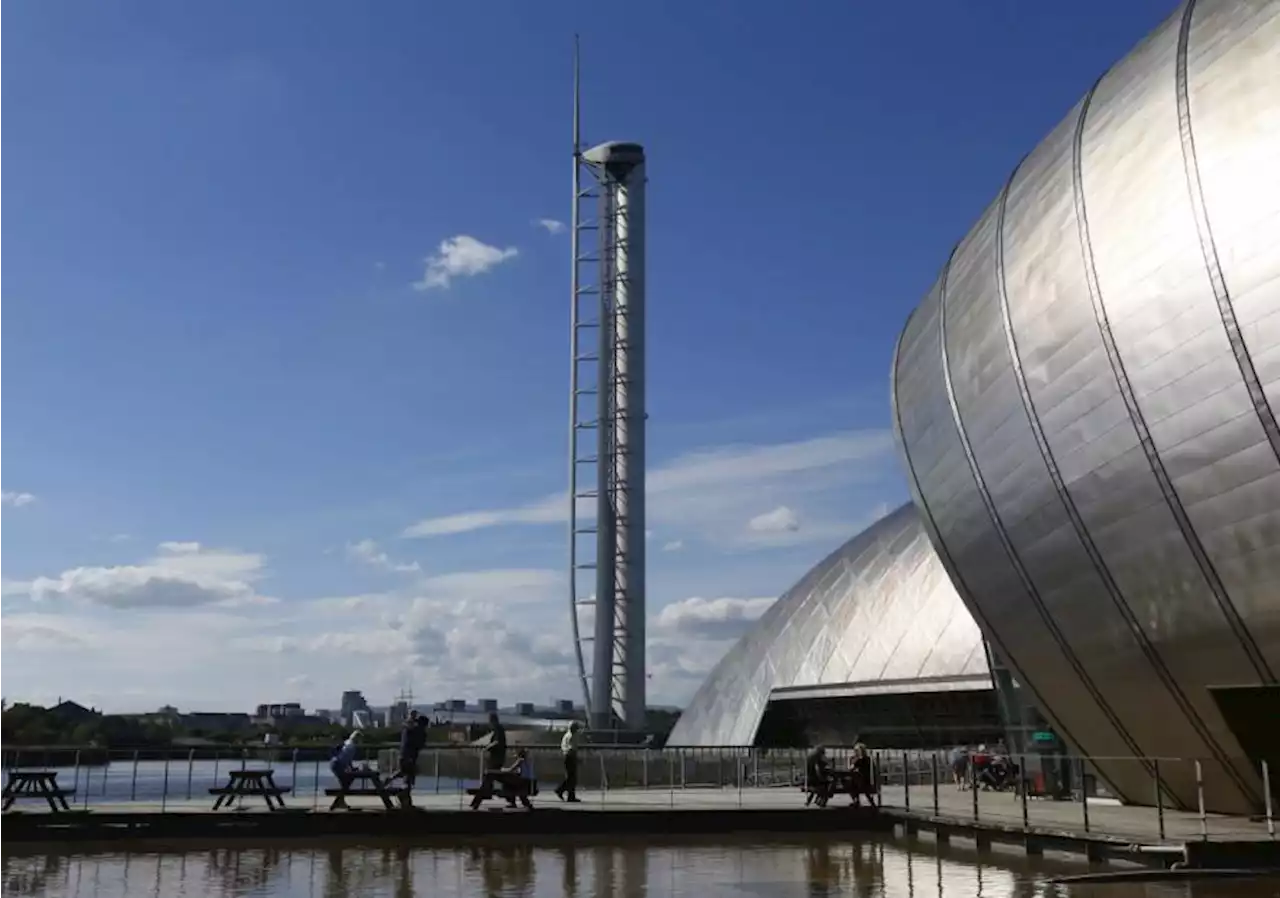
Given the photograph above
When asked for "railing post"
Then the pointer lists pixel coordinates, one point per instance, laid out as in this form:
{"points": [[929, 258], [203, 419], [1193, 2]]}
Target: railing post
{"points": [[1266, 797], [906, 783], [435, 753], [191, 769], [644, 767], [973, 788], [75, 776], [164, 788], [933, 775], [1155, 766], [1022, 792], [1084, 797], [1204, 821], [315, 785], [133, 787], [671, 777]]}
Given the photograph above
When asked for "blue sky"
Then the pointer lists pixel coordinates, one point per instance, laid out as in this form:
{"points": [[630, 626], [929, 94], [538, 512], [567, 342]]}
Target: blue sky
{"points": [[228, 404]]}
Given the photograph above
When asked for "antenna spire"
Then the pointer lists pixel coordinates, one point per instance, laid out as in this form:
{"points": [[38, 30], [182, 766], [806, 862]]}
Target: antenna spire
{"points": [[577, 100]]}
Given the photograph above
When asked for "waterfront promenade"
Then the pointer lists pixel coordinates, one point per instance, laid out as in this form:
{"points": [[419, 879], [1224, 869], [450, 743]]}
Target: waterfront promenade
{"points": [[736, 791]]}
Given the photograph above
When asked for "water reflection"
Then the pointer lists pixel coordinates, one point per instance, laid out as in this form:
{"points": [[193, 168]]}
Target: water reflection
{"points": [[816, 870]]}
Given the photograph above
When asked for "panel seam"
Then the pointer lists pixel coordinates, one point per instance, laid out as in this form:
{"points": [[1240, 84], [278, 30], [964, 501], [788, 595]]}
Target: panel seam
{"points": [[1136, 417], [1011, 553], [1209, 246], [990, 635], [1072, 510]]}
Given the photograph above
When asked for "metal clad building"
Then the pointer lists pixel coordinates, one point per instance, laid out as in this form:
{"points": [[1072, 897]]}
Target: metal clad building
{"points": [[1086, 405], [879, 609]]}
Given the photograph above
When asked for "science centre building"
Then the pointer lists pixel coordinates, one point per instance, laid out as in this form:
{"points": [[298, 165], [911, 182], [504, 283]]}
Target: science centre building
{"points": [[1085, 405]]}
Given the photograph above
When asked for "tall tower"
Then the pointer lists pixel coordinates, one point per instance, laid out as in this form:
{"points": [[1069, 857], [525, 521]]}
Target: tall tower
{"points": [[607, 426]]}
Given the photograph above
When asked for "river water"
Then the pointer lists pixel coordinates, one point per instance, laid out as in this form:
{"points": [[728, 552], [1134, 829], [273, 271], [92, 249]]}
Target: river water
{"points": [[867, 869]]}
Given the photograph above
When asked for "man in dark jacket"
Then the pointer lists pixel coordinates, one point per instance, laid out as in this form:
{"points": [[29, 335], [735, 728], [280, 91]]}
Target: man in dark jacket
{"points": [[413, 738], [496, 751], [817, 771]]}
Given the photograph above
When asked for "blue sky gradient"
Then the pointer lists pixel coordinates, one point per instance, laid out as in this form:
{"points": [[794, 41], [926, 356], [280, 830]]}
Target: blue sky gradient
{"points": [[218, 213]]}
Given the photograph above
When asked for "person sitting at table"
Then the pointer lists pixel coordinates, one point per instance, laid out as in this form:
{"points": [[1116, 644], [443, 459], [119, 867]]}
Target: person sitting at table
{"points": [[516, 779], [343, 763], [818, 777]]}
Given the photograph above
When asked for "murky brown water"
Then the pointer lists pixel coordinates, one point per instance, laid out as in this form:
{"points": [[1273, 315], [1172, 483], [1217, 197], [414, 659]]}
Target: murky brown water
{"points": [[742, 870]]}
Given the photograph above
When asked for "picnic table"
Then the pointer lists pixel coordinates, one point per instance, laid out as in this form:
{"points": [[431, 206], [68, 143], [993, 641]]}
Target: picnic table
{"points": [[840, 782], [243, 783], [36, 784], [367, 782]]}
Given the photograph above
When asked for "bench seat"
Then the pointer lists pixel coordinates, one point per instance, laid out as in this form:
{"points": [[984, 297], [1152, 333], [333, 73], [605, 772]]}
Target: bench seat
{"points": [[224, 790], [367, 793], [53, 793]]}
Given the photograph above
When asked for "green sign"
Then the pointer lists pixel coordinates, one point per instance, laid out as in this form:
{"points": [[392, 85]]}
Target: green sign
{"points": [[1043, 736]]}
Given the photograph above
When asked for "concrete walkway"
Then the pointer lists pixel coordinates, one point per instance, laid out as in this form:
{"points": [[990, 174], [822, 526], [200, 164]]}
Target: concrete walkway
{"points": [[1105, 816], [999, 809]]}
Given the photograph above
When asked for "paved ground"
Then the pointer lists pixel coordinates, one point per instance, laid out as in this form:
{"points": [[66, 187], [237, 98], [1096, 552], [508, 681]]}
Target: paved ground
{"points": [[1105, 817]]}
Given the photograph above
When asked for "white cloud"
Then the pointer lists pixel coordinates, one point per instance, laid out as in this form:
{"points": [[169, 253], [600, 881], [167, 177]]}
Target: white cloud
{"points": [[181, 575], [366, 551], [716, 619], [551, 225], [713, 490], [780, 520], [461, 256], [674, 545], [689, 637], [15, 499]]}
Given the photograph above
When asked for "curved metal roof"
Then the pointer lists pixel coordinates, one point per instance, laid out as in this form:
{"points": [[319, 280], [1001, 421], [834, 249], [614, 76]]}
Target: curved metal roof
{"points": [[879, 608], [1087, 404]]}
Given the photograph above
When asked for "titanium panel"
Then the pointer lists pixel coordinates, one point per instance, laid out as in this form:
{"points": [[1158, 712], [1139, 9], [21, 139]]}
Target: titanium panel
{"points": [[1085, 403], [880, 608]]}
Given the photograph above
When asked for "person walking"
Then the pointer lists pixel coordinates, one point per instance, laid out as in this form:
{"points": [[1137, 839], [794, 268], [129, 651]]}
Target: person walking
{"points": [[413, 738], [569, 744]]}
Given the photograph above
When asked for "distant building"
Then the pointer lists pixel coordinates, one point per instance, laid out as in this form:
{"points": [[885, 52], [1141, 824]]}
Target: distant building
{"points": [[524, 709], [352, 701], [72, 712], [456, 704], [564, 706], [279, 711], [216, 721], [488, 704]]}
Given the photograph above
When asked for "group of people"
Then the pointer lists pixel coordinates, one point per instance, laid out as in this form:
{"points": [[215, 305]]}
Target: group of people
{"points": [[516, 778], [822, 780], [983, 768]]}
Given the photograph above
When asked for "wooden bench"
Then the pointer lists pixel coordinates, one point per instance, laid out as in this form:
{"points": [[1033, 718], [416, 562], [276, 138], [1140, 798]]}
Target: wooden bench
{"points": [[246, 783], [508, 789], [36, 784]]}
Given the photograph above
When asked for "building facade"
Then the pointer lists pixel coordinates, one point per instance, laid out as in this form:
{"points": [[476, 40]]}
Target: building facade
{"points": [[1086, 406]]}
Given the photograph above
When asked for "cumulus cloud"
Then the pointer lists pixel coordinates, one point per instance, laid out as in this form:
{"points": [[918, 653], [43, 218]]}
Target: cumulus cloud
{"points": [[461, 257], [713, 490], [674, 545], [180, 575], [551, 225], [780, 520], [714, 619], [16, 499], [366, 551]]}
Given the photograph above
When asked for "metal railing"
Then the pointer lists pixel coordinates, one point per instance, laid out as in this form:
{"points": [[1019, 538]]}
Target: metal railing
{"points": [[1062, 793]]}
